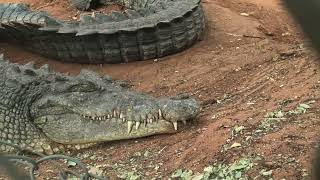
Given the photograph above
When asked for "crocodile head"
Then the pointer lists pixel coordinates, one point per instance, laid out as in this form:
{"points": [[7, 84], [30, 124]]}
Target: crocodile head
{"points": [[89, 108]]}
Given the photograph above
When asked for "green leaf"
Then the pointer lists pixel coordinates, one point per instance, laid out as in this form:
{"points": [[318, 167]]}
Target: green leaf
{"points": [[221, 174], [129, 175], [238, 175], [132, 176], [208, 169], [187, 175], [279, 114], [181, 174], [177, 173], [301, 110], [269, 115], [238, 129], [305, 106], [264, 172], [198, 177], [238, 167]]}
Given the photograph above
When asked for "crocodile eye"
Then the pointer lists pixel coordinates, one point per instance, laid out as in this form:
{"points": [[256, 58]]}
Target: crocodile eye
{"points": [[83, 87], [47, 104]]}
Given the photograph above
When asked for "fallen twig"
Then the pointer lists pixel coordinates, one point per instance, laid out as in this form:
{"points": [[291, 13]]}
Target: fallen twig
{"points": [[251, 36], [245, 35], [46, 5]]}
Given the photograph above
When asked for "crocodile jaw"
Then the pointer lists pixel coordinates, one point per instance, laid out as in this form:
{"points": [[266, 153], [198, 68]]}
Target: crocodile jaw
{"points": [[159, 117], [74, 129]]}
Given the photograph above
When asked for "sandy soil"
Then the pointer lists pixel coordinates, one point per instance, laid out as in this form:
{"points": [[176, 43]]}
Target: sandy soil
{"points": [[246, 66]]}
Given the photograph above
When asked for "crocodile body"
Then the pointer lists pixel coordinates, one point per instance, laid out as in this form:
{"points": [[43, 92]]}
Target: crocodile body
{"points": [[144, 31], [47, 112]]}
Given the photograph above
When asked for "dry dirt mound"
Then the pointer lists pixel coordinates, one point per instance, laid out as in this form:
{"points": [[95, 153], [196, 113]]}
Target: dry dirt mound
{"points": [[257, 82]]}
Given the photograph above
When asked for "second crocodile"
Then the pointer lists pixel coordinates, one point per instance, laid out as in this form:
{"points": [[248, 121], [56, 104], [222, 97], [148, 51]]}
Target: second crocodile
{"points": [[144, 31]]}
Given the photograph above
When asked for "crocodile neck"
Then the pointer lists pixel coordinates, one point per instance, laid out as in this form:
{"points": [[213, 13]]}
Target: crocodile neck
{"points": [[15, 126]]}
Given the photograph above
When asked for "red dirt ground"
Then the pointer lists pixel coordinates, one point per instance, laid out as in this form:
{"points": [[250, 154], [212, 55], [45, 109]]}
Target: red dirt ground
{"points": [[245, 67]]}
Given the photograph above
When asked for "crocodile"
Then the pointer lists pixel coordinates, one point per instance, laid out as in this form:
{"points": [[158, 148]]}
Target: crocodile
{"points": [[145, 30], [49, 112]]}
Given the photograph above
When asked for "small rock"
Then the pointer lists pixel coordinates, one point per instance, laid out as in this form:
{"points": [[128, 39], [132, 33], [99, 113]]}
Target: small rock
{"points": [[268, 164], [244, 14], [146, 154], [93, 157], [138, 154], [96, 171], [266, 173], [71, 164], [286, 34]]}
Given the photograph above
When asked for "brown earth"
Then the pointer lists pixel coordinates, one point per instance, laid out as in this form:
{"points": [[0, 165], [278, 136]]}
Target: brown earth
{"points": [[246, 66]]}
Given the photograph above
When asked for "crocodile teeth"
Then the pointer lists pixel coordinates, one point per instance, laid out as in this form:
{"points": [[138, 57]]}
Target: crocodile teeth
{"points": [[137, 125], [175, 125], [130, 125], [77, 146], [121, 115], [160, 113], [184, 122]]}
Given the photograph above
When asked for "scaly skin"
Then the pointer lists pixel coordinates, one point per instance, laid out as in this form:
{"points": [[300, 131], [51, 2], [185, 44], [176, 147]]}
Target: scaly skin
{"points": [[47, 112], [145, 31]]}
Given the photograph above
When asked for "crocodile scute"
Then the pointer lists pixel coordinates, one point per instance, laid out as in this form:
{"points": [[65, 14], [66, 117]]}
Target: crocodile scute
{"points": [[144, 31]]}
